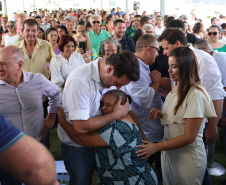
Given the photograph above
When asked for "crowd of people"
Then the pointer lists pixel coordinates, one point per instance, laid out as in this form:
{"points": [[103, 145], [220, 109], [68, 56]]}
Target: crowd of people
{"points": [[127, 90]]}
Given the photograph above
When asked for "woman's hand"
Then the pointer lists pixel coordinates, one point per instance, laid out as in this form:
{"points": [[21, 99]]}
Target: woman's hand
{"points": [[87, 58], [79, 50], [155, 114], [147, 149]]}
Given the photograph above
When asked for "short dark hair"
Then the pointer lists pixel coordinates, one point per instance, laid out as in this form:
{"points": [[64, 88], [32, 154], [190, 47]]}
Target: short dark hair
{"points": [[145, 40], [29, 22], [171, 35], [125, 63], [168, 20], [81, 23], [116, 21], [38, 17], [137, 16], [223, 26], [176, 23], [64, 40], [63, 28], [143, 20]]}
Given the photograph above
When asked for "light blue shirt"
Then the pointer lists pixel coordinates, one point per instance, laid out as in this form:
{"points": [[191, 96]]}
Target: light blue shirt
{"points": [[22, 105], [144, 99]]}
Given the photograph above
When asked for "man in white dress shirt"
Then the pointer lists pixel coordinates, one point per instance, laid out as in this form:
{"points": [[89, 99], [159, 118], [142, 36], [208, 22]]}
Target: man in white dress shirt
{"points": [[81, 102]]}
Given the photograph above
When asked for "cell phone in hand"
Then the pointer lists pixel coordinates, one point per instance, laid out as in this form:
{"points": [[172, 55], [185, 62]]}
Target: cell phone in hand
{"points": [[83, 46]]}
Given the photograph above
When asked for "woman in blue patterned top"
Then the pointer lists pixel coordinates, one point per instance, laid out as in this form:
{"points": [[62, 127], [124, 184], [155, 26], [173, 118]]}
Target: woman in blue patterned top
{"points": [[117, 162]]}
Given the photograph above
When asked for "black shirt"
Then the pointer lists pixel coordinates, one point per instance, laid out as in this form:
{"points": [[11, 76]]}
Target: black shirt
{"points": [[137, 35], [128, 44], [161, 64], [191, 38]]}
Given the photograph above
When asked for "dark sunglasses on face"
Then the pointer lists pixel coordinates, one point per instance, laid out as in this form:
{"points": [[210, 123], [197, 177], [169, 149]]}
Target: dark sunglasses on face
{"points": [[214, 33], [94, 22], [9, 26]]}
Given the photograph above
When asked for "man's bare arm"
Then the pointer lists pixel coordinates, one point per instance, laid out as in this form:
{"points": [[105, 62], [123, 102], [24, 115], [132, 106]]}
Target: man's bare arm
{"points": [[29, 162], [211, 132], [165, 84], [92, 124]]}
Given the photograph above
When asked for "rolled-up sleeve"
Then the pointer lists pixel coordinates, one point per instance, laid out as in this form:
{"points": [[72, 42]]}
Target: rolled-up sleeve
{"points": [[53, 93], [56, 76], [210, 77], [142, 94]]}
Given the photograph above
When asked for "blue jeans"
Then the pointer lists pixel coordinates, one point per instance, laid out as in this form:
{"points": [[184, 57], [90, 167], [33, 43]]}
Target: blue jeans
{"points": [[80, 163]]}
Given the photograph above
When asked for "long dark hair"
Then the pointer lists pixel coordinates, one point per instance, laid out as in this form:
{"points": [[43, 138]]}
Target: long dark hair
{"points": [[188, 70]]}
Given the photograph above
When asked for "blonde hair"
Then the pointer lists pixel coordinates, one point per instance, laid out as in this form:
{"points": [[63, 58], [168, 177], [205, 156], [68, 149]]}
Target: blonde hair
{"points": [[86, 34]]}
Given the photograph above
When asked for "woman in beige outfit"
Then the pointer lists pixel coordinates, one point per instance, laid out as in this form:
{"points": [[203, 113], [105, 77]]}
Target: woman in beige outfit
{"points": [[184, 115]]}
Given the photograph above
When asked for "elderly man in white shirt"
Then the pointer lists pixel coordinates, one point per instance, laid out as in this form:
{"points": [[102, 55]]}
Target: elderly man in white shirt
{"points": [[81, 101]]}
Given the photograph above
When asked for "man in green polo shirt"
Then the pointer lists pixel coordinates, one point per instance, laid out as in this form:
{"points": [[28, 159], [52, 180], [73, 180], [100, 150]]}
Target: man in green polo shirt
{"points": [[96, 34], [131, 30]]}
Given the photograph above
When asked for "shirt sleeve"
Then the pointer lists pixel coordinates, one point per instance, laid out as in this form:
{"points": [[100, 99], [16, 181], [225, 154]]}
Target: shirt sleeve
{"points": [[94, 54], [56, 76], [78, 100], [133, 47], [210, 77], [51, 53], [53, 93], [9, 134], [140, 91], [199, 105]]}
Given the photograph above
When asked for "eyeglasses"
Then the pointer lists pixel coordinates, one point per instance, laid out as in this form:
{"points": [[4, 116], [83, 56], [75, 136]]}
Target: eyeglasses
{"points": [[157, 49], [3, 64], [214, 33], [131, 17], [9, 26], [111, 50], [94, 22], [149, 31]]}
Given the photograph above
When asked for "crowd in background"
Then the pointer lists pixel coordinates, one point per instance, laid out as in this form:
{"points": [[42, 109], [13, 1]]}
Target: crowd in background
{"points": [[59, 43]]}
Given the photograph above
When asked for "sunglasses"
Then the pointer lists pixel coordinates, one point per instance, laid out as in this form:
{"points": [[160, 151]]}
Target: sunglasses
{"points": [[149, 32], [9, 26], [94, 22], [214, 33]]}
